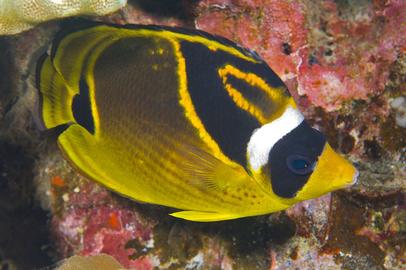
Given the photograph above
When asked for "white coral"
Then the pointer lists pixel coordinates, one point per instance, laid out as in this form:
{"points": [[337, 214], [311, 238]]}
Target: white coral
{"points": [[19, 15], [399, 105]]}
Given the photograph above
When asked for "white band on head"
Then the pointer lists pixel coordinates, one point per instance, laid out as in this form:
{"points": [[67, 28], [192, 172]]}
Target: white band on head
{"points": [[264, 138]]}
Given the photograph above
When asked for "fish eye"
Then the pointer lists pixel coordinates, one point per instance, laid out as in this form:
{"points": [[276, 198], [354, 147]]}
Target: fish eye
{"points": [[300, 165]]}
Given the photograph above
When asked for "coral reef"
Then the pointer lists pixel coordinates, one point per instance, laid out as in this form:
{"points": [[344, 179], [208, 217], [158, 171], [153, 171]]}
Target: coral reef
{"points": [[102, 262], [399, 105], [336, 52], [19, 15], [345, 64]]}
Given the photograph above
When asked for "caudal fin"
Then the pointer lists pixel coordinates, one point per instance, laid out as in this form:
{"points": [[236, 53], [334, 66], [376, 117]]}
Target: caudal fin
{"points": [[55, 95]]}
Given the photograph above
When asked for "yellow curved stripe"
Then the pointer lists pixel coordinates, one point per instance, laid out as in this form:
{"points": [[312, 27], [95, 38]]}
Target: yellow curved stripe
{"points": [[239, 99], [210, 44], [88, 70], [274, 94], [186, 102], [174, 36]]}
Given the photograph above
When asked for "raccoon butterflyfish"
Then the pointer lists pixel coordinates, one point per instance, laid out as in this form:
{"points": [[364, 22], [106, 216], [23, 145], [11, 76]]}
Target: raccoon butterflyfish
{"points": [[184, 119]]}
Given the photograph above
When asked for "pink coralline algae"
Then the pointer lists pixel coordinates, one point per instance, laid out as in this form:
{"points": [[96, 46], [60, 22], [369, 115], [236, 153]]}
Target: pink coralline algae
{"points": [[274, 30], [354, 62], [94, 224], [331, 58], [103, 230]]}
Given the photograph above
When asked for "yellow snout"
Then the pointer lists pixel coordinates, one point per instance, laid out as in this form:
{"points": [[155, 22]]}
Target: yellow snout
{"points": [[332, 172]]}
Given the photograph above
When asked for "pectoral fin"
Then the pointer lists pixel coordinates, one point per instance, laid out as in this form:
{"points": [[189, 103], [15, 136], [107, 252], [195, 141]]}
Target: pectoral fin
{"points": [[209, 172]]}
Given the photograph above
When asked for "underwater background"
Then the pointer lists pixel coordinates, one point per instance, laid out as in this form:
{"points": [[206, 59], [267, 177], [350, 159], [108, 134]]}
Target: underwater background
{"points": [[345, 64]]}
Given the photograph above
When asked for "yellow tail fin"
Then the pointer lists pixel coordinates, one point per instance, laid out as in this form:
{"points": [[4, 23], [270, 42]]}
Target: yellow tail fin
{"points": [[59, 73], [55, 96]]}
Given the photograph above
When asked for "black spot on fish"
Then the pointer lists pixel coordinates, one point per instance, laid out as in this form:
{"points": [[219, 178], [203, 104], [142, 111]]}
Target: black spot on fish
{"points": [[81, 108], [292, 159]]}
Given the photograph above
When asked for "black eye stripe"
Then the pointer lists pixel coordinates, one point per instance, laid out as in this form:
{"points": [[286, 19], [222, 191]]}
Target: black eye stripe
{"points": [[302, 143]]}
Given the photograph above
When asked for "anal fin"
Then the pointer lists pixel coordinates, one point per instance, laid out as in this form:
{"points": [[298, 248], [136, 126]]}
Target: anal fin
{"points": [[204, 216]]}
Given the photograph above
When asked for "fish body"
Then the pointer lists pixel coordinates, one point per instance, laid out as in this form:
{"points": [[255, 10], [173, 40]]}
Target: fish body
{"points": [[184, 119]]}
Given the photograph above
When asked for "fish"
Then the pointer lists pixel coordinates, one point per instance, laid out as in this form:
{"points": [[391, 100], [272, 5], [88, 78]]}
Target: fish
{"points": [[184, 119]]}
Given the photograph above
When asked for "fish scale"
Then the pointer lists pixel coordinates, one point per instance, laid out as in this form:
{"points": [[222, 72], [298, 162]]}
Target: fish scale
{"points": [[176, 185]]}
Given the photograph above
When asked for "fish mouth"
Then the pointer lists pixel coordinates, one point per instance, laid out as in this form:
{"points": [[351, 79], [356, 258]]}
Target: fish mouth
{"points": [[354, 179]]}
